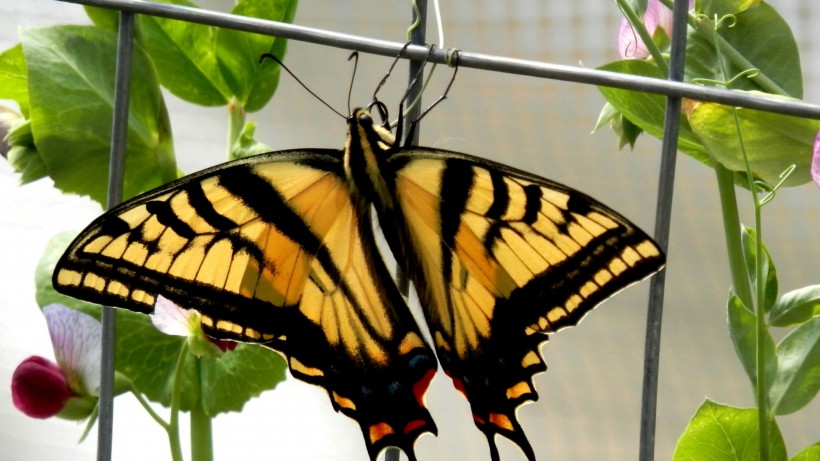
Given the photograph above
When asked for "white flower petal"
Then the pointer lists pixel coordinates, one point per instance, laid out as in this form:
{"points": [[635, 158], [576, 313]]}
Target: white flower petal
{"points": [[171, 319], [77, 341]]}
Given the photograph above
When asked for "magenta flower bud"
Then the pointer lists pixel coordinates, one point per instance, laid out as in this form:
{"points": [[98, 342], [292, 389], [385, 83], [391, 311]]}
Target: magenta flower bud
{"points": [[38, 388]]}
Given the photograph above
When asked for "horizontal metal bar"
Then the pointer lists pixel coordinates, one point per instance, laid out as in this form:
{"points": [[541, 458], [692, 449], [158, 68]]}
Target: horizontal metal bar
{"points": [[465, 58]]}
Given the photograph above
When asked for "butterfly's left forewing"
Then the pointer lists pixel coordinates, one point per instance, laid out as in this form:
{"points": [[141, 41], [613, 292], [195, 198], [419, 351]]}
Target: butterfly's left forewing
{"points": [[500, 257], [272, 249]]}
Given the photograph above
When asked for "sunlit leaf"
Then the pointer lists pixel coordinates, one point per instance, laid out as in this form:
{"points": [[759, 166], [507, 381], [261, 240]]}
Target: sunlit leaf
{"points": [[773, 142], [13, 79], [724, 433], [723, 7]]}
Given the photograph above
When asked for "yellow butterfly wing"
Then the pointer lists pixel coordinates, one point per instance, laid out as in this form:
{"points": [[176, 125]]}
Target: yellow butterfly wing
{"points": [[500, 257], [272, 249]]}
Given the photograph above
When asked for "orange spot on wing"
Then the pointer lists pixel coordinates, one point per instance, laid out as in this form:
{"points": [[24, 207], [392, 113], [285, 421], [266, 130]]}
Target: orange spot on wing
{"points": [[379, 430], [501, 421]]}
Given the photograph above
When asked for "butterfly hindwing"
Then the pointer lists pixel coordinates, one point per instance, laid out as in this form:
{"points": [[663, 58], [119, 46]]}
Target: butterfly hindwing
{"points": [[500, 257], [272, 249]]}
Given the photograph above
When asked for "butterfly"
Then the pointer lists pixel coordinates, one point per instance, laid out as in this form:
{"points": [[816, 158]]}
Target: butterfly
{"points": [[279, 249]]}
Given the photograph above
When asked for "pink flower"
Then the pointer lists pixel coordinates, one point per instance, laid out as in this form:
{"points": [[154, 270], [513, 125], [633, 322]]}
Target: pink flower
{"points": [[657, 15], [815, 161], [41, 388]]}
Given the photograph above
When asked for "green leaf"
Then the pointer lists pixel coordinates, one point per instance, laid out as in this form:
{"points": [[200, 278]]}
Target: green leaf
{"points": [[773, 142], [748, 238], [19, 133], [104, 18], [647, 111], [742, 329], [71, 84], [22, 153], [810, 453], [149, 357], [27, 161], [239, 376], [798, 374], [723, 7], [253, 83], [185, 56], [777, 60], [13, 79], [627, 131], [606, 117], [777, 57], [724, 433], [796, 306]]}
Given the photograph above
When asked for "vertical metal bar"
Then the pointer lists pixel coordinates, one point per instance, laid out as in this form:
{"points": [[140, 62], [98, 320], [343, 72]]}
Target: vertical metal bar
{"points": [[663, 217], [417, 38], [119, 130]]}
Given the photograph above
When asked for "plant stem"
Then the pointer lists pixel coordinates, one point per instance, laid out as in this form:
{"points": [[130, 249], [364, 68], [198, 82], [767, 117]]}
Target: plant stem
{"points": [[731, 230], [236, 121], [202, 447], [741, 286], [760, 307], [173, 427], [760, 335], [148, 409]]}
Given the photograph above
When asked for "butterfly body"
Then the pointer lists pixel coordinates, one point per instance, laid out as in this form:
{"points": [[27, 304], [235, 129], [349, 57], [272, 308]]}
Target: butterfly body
{"points": [[279, 249]]}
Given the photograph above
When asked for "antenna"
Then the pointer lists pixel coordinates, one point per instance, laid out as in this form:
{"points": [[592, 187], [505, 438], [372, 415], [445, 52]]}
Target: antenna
{"points": [[278, 61]]}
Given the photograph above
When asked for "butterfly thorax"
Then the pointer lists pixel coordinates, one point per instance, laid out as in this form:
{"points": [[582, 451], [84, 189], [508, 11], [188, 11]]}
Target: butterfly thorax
{"points": [[366, 151]]}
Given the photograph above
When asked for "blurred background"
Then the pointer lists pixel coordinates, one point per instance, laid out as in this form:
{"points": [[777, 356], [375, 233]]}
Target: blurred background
{"points": [[590, 396]]}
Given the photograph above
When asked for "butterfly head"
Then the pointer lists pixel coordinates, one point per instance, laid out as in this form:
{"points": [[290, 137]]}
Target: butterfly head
{"points": [[361, 124], [367, 148]]}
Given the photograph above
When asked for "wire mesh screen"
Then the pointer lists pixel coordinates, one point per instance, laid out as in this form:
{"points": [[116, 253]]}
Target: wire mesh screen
{"points": [[590, 396]]}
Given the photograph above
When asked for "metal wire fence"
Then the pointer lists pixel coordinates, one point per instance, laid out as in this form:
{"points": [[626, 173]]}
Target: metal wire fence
{"points": [[673, 88]]}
